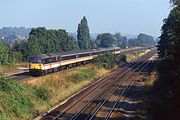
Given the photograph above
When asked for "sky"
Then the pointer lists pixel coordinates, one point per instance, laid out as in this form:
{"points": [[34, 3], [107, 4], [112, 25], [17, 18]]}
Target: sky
{"points": [[124, 16]]}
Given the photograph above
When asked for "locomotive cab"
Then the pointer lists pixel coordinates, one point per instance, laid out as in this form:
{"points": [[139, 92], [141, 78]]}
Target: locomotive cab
{"points": [[35, 66]]}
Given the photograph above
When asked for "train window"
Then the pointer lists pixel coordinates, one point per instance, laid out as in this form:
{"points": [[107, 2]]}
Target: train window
{"points": [[49, 60], [68, 57], [94, 53], [44, 61], [104, 52], [35, 60], [83, 55]]}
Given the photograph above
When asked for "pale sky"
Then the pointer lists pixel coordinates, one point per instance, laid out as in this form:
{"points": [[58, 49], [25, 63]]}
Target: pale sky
{"points": [[125, 16]]}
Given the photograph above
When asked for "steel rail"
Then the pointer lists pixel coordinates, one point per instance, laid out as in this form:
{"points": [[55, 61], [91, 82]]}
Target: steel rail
{"points": [[122, 81], [111, 93], [106, 77], [126, 89], [100, 85]]}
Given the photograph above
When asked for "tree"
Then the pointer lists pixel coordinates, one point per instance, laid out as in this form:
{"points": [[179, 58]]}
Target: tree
{"points": [[83, 35], [168, 84], [145, 40], [43, 41], [7, 57], [121, 40], [20, 47], [106, 60], [105, 40], [93, 44], [175, 2], [132, 42], [70, 44]]}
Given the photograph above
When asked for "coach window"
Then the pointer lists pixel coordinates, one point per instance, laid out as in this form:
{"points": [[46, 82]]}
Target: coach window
{"points": [[95, 53], [51, 60], [69, 57], [83, 55]]}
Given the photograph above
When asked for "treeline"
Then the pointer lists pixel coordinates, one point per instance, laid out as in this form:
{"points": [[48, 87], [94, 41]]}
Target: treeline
{"points": [[44, 41], [167, 88], [108, 40]]}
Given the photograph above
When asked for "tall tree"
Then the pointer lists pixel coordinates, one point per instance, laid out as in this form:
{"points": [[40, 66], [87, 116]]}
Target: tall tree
{"points": [[168, 83], [175, 2], [83, 35]]}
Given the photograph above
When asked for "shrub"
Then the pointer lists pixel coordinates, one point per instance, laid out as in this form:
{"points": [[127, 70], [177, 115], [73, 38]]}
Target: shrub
{"points": [[16, 100], [42, 93], [122, 59], [109, 60], [106, 60]]}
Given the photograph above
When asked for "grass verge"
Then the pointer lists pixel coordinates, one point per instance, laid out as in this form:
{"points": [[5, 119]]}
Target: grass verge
{"points": [[17, 100], [64, 84], [13, 68]]}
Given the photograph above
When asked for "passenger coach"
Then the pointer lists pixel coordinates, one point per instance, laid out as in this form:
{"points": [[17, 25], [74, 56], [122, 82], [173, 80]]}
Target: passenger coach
{"points": [[46, 63]]}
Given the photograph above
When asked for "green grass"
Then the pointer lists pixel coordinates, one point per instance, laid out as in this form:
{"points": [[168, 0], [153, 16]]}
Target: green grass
{"points": [[64, 84], [13, 68], [81, 74], [16, 100], [21, 100]]}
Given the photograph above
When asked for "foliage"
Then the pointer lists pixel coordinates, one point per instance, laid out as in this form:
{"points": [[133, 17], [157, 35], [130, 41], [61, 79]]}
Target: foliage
{"points": [[122, 59], [121, 40], [175, 2], [145, 40], [43, 41], [142, 41], [7, 56], [83, 74], [109, 60], [132, 42], [168, 86], [105, 40], [16, 100], [93, 44], [20, 46], [83, 35], [42, 93], [106, 60]]}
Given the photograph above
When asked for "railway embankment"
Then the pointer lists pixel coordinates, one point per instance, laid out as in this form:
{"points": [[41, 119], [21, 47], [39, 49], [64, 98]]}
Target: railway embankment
{"points": [[27, 99], [24, 100], [18, 101]]}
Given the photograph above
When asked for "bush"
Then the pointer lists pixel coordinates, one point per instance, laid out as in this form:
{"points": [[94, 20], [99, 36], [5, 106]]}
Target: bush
{"points": [[109, 60], [16, 100], [122, 59], [42, 93], [106, 60]]}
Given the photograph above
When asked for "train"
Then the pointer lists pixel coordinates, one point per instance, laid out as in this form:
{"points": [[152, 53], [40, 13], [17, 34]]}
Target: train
{"points": [[46, 63]]}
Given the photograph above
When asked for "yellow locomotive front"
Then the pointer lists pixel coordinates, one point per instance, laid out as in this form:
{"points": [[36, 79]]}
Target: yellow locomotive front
{"points": [[35, 66]]}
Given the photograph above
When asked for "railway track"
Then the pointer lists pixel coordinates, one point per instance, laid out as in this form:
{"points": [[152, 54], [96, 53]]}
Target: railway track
{"points": [[90, 102]]}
